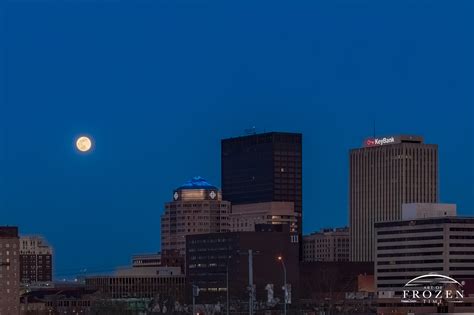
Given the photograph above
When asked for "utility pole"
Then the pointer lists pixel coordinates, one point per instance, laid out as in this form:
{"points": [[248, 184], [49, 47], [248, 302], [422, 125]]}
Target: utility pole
{"points": [[251, 287], [227, 285], [195, 293]]}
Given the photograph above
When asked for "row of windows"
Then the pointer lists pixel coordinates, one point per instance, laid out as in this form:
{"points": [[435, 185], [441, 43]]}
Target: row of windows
{"points": [[405, 239], [191, 250], [211, 240], [210, 265], [134, 280], [411, 246], [68, 303], [405, 262], [461, 229], [461, 245], [178, 208], [461, 237], [8, 245], [461, 268], [410, 254], [461, 253], [411, 269]]}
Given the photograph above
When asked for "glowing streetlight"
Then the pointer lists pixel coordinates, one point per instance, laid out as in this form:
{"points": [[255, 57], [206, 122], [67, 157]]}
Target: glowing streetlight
{"points": [[280, 258]]}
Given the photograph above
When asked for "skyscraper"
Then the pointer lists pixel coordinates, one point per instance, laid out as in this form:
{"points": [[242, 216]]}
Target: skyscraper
{"points": [[384, 174], [263, 168], [197, 208]]}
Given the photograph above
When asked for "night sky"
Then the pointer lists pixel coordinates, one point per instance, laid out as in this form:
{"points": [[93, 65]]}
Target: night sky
{"points": [[158, 83]]}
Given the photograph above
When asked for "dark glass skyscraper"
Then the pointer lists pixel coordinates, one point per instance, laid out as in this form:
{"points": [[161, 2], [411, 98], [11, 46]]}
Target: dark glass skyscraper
{"points": [[262, 168]]}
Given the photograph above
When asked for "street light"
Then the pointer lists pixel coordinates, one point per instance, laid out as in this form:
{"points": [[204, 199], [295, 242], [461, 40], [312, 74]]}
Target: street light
{"points": [[280, 258], [227, 284]]}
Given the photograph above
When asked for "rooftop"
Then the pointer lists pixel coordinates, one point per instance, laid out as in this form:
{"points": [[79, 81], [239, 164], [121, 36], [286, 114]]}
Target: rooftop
{"points": [[197, 182]]}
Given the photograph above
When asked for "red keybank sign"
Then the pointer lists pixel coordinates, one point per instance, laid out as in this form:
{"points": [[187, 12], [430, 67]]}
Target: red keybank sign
{"points": [[372, 142]]}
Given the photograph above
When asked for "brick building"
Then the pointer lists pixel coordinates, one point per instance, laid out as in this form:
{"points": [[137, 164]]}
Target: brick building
{"points": [[210, 257], [36, 260], [9, 270], [327, 245]]}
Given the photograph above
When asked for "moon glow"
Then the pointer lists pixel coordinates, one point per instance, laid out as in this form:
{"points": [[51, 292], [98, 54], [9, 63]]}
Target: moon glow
{"points": [[83, 144]]}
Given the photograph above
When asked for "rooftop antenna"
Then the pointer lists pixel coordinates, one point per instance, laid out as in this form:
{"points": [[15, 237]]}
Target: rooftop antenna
{"points": [[374, 128]]}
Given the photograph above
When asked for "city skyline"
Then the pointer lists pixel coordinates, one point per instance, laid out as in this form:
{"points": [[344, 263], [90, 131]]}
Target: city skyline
{"points": [[307, 231], [157, 116]]}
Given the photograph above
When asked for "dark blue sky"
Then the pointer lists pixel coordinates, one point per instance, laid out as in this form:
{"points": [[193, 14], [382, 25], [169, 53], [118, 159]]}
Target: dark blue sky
{"points": [[158, 83]]}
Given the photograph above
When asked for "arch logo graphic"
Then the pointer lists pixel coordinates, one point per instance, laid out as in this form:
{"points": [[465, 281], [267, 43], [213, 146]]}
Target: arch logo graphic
{"points": [[433, 289]]}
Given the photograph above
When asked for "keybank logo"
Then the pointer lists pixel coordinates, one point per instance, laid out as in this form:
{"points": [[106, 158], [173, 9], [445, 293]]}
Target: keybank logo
{"points": [[376, 141], [433, 289]]}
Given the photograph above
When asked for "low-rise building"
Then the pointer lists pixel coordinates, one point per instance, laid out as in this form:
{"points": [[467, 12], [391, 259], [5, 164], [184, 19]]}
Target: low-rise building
{"points": [[58, 299], [327, 245], [211, 257], [138, 286], [429, 241], [140, 282], [149, 271], [146, 260], [344, 286], [244, 217], [424, 241], [36, 260]]}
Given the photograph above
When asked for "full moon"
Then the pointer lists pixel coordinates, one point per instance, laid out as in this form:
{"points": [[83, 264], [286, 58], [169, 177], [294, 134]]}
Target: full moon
{"points": [[83, 144]]}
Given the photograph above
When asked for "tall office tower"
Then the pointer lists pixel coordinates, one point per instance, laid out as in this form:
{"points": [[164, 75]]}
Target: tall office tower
{"points": [[197, 208], [36, 260], [9, 270], [384, 174], [262, 168]]}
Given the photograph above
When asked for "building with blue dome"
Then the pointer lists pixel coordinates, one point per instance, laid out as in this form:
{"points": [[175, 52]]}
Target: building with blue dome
{"points": [[197, 188], [196, 208]]}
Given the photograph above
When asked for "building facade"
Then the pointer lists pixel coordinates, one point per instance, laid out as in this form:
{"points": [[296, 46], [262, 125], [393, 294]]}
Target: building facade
{"points": [[211, 257], [197, 208], [384, 174], [429, 242], [244, 217], [408, 249], [347, 286], [60, 299], [146, 260], [263, 168], [138, 286], [327, 245], [36, 260], [9, 270]]}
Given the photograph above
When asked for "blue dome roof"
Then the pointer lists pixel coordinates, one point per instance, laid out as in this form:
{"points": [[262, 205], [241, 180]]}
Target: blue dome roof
{"points": [[197, 182]]}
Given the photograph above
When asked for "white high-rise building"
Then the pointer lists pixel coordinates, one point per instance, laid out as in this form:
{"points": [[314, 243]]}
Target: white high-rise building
{"points": [[384, 174]]}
